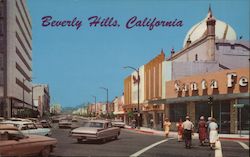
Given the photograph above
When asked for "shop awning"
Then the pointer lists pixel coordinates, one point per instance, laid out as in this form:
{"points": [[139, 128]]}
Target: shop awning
{"points": [[199, 98]]}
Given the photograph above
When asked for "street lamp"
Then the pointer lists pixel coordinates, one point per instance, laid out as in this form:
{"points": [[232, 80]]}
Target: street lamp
{"points": [[107, 91], [95, 104], [138, 96]]}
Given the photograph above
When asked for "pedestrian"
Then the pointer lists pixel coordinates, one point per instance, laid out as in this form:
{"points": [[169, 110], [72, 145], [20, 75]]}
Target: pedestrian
{"points": [[133, 123], [208, 122], [151, 123], [180, 130], [213, 134], [167, 127], [202, 130], [188, 127]]}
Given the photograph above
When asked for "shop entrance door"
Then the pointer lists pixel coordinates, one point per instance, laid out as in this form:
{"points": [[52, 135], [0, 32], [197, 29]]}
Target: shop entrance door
{"points": [[220, 110], [222, 115]]}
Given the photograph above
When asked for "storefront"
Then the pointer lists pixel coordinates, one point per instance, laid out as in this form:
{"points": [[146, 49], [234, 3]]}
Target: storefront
{"points": [[210, 95], [153, 116]]}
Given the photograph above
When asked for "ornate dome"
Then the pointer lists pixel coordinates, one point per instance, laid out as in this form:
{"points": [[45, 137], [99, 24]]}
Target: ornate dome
{"points": [[222, 30]]}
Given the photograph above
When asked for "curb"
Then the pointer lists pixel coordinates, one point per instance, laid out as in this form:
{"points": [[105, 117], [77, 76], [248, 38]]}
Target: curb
{"points": [[234, 138], [142, 131], [221, 138]]}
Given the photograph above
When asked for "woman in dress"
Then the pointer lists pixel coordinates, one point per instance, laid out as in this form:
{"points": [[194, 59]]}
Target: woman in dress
{"points": [[167, 126], [180, 130], [213, 134], [202, 128]]}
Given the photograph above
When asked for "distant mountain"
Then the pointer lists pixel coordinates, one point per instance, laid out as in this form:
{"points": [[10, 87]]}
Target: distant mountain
{"points": [[68, 109]]}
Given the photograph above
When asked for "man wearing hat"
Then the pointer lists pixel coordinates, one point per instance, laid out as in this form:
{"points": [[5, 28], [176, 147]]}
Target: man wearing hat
{"points": [[188, 127]]}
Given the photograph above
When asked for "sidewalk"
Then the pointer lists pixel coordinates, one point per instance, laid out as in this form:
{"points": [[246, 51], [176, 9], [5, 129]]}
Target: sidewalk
{"points": [[195, 136]]}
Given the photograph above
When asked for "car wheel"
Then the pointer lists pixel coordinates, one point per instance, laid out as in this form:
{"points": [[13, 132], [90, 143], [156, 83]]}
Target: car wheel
{"points": [[79, 140], [104, 140], [45, 152], [116, 137]]}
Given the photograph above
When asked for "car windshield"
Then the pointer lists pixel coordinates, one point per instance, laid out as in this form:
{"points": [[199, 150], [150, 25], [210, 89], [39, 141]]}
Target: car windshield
{"points": [[93, 124], [11, 135]]}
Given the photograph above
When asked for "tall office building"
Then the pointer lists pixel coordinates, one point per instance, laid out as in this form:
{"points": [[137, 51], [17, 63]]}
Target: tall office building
{"points": [[15, 57]]}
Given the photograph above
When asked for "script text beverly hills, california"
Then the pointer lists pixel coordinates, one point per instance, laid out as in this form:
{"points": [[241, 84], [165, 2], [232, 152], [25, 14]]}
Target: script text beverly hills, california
{"points": [[105, 22]]}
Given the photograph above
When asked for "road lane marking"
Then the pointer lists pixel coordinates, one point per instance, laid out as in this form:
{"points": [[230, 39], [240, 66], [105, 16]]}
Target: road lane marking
{"points": [[218, 150], [149, 147], [243, 145]]}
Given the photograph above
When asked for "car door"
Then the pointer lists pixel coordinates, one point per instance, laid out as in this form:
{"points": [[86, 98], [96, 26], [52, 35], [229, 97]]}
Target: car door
{"points": [[33, 129], [109, 130]]}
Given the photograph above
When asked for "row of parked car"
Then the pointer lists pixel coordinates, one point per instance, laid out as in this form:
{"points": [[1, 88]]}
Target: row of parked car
{"points": [[25, 137]]}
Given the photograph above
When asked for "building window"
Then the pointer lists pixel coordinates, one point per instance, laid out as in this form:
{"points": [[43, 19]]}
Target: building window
{"points": [[196, 57], [1, 27], [1, 10], [177, 111], [245, 117], [1, 61], [1, 78]]}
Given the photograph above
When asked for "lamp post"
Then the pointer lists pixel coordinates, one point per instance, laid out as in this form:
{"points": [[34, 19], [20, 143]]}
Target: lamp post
{"points": [[138, 92], [107, 91], [95, 104]]}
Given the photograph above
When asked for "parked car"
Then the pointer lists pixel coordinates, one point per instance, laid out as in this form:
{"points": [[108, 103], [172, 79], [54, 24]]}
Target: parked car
{"points": [[45, 124], [74, 119], [15, 143], [18, 119], [118, 123], [1, 119], [65, 123], [55, 119], [29, 128], [96, 130]]}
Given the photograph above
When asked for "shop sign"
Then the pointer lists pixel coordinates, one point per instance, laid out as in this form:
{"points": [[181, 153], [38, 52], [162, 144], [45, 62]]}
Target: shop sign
{"points": [[193, 86], [238, 105]]}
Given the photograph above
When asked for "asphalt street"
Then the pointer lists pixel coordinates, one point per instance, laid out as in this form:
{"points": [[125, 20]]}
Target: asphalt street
{"points": [[132, 143]]}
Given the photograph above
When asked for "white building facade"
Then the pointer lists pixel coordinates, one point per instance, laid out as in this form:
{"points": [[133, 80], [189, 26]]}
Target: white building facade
{"points": [[15, 58]]}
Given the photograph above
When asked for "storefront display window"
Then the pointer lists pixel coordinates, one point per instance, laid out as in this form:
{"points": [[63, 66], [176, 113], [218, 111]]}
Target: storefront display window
{"points": [[245, 118], [177, 111]]}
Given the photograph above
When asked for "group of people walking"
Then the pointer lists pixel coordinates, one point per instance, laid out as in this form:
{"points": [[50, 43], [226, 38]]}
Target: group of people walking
{"points": [[208, 131]]}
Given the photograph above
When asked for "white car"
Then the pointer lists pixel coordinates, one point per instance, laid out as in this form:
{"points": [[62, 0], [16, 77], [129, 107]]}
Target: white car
{"points": [[29, 128], [96, 130], [118, 123], [65, 123]]}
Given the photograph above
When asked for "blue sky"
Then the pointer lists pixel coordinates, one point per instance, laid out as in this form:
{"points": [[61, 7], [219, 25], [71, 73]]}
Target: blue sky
{"points": [[75, 63]]}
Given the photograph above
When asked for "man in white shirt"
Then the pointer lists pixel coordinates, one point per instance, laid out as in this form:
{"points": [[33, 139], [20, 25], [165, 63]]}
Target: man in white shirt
{"points": [[188, 127]]}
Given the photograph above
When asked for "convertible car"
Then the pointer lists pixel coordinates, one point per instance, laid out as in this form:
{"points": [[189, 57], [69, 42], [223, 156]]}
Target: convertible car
{"points": [[14, 143], [96, 130]]}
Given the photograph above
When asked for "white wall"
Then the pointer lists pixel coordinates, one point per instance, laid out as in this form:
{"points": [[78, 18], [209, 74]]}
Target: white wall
{"points": [[135, 86]]}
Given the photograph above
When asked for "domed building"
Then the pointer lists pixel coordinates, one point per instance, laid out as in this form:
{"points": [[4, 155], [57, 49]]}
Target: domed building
{"points": [[205, 78], [222, 30], [208, 77], [210, 45]]}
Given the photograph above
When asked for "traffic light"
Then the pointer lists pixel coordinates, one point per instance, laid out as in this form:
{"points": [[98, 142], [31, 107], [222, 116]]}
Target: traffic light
{"points": [[210, 100]]}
